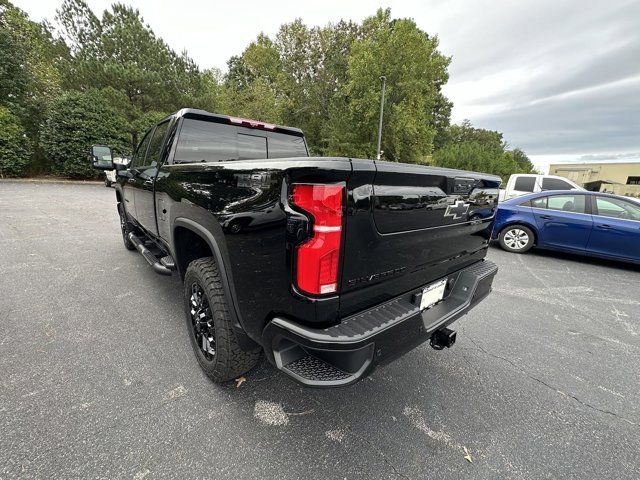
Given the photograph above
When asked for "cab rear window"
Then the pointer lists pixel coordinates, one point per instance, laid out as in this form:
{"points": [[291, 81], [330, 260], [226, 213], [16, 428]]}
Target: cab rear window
{"points": [[205, 141], [555, 184], [525, 184]]}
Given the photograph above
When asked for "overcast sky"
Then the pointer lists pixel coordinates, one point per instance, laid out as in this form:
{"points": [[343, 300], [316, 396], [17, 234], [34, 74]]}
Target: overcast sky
{"points": [[560, 79]]}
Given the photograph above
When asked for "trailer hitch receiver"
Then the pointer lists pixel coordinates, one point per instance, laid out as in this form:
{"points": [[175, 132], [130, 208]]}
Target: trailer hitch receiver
{"points": [[443, 338]]}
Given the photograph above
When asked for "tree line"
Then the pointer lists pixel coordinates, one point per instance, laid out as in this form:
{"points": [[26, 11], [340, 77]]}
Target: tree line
{"points": [[87, 79]]}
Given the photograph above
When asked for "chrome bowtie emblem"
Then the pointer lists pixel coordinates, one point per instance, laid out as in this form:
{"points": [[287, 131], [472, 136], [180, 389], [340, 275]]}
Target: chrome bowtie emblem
{"points": [[457, 210]]}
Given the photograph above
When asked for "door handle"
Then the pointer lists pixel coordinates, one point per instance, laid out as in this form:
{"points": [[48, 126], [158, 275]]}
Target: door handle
{"points": [[604, 226], [546, 217]]}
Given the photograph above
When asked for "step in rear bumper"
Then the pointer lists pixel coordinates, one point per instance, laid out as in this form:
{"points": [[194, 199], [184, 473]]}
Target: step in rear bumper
{"points": [[344, 353]]}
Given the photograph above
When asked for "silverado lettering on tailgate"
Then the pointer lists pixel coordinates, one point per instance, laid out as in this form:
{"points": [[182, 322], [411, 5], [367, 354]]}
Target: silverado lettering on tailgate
{"points": [[376, 276]]}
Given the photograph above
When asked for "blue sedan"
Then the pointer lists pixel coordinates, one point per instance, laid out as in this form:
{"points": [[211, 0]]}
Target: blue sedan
{"points": [[590, 223]]}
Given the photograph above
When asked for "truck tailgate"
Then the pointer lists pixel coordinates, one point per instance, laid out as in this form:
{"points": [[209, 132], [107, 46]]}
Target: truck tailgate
{"points": [[408, 225]]}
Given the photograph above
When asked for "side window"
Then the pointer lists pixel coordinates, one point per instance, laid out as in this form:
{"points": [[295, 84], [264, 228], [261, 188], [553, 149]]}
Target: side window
{"points": [[286, 146], [567, 203], [555, 184], [155, 145], [615, 208], [539, 202], [525, 184], [138, 157]]}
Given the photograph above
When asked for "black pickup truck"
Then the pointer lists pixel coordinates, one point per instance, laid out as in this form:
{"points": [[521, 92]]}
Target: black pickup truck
{"points": [[328, 265]]}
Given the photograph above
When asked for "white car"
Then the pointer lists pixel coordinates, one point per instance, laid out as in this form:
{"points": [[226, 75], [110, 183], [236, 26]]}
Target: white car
{"points": [[523, 183]]}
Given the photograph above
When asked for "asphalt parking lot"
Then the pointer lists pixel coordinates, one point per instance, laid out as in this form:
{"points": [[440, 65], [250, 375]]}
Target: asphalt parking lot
{"points": [[98, 379]]}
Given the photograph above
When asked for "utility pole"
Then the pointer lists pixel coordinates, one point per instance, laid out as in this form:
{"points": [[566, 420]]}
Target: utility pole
{"points": [[384, 82]]}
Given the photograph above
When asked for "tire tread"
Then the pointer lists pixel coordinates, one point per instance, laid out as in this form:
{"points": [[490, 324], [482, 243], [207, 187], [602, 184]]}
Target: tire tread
{"points": [[230, 360]]}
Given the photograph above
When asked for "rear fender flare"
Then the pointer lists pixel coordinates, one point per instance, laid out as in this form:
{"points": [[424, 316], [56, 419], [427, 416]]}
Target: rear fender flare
{"points": [[221, 256]]}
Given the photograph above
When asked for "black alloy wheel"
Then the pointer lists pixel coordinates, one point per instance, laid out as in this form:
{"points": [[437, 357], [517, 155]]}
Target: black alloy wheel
{"points": [[202, 322], [210, 325]]}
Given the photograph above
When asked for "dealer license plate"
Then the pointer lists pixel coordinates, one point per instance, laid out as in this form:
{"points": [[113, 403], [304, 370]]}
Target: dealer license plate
{"points": [[432, 294]]}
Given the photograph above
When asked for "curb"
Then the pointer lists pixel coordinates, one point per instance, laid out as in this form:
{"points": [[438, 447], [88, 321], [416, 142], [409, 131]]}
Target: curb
{"points": [[51, 180]]}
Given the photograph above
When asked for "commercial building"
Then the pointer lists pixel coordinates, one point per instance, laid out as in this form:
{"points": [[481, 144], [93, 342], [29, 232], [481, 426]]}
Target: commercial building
{"points": [[621, 178]]}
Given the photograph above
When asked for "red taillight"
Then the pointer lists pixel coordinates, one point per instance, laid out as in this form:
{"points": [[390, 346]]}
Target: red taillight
{"points": [[318, 258]]}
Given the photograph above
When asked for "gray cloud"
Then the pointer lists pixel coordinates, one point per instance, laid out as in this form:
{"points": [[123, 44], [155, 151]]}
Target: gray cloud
{"points": [[605, 120], [576, 86], [596, 157]]}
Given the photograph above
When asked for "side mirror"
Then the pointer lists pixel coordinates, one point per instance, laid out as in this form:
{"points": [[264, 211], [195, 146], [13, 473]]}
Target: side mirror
{"points": [[101, 157]]}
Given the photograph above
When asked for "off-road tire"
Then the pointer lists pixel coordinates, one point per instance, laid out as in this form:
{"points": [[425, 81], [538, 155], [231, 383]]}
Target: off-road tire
{"points": [[126, 227], [511, 242], [229, 361]]}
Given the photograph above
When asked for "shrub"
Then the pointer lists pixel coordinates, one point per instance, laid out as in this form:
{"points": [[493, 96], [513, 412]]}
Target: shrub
{"points": [[77, 120], [15, 151], [144, 122]]}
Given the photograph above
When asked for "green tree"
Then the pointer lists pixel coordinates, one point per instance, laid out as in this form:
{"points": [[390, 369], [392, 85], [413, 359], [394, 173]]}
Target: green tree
{"points": [[293, 78], [120, 51], [14, 146], [146, 121], [314, 67], [522, 160], [14, 78], [251, 88], [468, 148], [31, 62], [76, 121], [211, 94], [415, 72]]}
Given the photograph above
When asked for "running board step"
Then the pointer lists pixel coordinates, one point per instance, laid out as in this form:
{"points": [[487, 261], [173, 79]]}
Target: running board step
{"points": [[157, 265], [168, 262]]}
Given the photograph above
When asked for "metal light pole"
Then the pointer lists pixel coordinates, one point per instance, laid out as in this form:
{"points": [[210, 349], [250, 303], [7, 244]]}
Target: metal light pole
{"points": [[384, 82]]}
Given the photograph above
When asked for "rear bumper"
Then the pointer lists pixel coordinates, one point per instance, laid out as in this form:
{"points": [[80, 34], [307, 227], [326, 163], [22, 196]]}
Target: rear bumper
{"points": [[346, 352]]}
